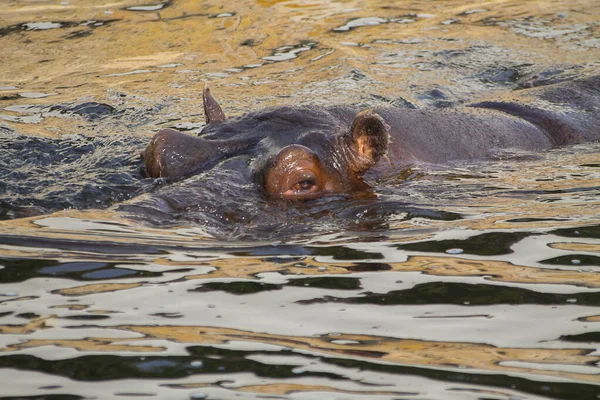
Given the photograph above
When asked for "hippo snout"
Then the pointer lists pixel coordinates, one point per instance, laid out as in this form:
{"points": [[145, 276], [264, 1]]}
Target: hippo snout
{"points": [[174, 154]]}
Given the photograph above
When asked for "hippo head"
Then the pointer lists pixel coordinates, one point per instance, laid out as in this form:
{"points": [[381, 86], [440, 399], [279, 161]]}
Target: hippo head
{"points": [[325, 161], [295, 153]]}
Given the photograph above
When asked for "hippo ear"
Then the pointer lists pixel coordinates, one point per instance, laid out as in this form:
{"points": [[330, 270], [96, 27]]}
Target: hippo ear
{"points": [[367, 140], [212, 109]]}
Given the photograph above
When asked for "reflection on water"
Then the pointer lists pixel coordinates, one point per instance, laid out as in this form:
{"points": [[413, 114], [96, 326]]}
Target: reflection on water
{"points": [[462, 281]]}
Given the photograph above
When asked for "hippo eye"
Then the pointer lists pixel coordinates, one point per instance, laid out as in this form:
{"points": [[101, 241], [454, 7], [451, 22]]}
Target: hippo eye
{"points": [[305, 185], [301, 186]]}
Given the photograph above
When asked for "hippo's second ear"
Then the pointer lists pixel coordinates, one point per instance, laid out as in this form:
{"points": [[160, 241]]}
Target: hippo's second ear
{"points": [[367, 140], [212, 109]]}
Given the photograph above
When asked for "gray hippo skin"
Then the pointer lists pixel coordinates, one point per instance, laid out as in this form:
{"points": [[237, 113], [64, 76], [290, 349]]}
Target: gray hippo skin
{"points": [[302, 153]]}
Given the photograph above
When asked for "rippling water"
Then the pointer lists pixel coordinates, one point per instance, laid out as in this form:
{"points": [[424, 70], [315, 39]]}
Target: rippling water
{"points": [[465, 281]]}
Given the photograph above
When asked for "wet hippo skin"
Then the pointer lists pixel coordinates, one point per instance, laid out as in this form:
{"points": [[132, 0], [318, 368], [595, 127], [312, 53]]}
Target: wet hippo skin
{"points": [[306, 152]]}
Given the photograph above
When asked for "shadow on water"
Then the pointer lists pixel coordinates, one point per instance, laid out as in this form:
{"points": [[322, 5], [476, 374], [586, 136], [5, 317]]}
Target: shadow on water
{"points": [[464, 294], [19, 270], [43, 174], [209, 361]]}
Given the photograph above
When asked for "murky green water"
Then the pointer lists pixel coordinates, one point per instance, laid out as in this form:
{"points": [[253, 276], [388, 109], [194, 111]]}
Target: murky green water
{"points": [[465, 281]]}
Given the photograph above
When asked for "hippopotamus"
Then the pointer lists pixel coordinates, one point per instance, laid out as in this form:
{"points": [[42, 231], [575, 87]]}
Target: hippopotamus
{"points": [[305, 152]]}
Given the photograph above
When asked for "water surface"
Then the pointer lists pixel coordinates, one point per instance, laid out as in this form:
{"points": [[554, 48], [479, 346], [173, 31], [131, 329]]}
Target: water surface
{"points": [[465, 281]]}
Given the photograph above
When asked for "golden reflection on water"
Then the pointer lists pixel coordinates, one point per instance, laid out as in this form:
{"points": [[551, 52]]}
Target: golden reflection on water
{"points": [[165, 56], [382, 349]]}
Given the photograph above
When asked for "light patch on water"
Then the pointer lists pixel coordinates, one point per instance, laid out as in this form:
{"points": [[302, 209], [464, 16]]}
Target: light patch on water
{"points": [[137, 71], [374, 21], [75, 224], [36, 95], [355, 23], [149, 7], [25, 108], [450, 21], [217, 74], [173, 65], [594, 43], [322, 55], [575, 369], [30, 119], [475, 11], [40, 26], [288, 52]]}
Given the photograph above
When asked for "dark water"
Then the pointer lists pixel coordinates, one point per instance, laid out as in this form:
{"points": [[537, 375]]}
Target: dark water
{"points": [[464, 281]]}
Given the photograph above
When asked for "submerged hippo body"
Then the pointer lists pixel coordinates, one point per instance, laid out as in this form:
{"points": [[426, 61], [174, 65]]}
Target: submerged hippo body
{"points": [[307, 152]]}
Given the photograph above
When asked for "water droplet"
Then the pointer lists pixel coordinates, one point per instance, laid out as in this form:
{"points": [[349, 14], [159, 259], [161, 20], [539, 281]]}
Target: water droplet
{"points": [[571, 300], [11, 294], [196, 364], [576, 261], [198, 395]]}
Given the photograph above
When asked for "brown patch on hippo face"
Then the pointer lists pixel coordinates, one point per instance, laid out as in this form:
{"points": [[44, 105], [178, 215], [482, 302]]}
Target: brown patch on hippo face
{"points": [[297, 173]]}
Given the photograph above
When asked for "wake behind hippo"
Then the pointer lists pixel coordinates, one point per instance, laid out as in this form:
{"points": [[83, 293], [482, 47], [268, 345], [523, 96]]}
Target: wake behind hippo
{"points": [[302, 153]]}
